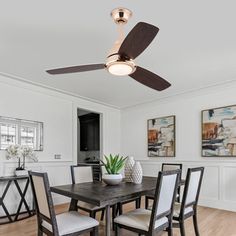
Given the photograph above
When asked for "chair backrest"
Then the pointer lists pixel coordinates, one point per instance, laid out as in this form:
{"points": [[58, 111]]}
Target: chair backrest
{"points": [[192, 188], [171, 166], [165, 194], [43, 199], [81, 174]]}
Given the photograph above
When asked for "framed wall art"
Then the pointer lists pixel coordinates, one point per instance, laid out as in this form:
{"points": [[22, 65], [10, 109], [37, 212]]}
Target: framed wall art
{"points": [[161, 137], [219, 132]]}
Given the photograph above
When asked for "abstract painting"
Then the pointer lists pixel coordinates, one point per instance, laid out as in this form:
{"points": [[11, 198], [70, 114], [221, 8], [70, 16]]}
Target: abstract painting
{"points": [[219, 132], [161, 137]]}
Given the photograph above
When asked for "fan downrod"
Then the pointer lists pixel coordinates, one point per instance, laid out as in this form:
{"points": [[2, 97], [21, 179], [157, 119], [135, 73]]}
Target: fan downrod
{"points": [[121, 15]]}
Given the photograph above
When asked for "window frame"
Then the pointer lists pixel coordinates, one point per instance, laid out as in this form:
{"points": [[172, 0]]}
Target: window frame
{"points": [[39, 129]]}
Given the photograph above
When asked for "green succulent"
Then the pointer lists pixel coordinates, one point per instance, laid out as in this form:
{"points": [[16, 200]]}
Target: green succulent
{"points": [[114, 163]]}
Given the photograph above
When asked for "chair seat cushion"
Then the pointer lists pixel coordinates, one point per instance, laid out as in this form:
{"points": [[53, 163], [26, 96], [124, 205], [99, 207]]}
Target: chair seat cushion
{"points": [[177, 207], [71, 222], [139, 219], [89, 206]]}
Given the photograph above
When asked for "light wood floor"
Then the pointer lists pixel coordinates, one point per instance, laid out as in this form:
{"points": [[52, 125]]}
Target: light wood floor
{"points": [[212, 222]]}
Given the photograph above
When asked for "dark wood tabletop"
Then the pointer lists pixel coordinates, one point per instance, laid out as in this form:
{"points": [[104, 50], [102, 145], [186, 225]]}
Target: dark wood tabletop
{"points": [[100, 194]]}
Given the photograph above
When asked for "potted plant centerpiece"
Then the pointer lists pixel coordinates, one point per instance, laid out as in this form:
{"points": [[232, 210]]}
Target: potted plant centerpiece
{"points": [[113, 166], [20, 153]]}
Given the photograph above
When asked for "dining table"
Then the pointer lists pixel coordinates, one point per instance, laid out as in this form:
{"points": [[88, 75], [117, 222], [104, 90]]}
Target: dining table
{"points": [[101, 194]]}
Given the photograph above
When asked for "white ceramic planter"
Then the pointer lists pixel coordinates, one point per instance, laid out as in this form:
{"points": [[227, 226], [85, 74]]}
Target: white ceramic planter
{"points": [[112, 179]]}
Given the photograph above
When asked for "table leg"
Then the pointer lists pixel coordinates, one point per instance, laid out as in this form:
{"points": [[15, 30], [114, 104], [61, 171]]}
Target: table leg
{"points": [[108, 221], [73, 205], [2, 203], [22, 195]]}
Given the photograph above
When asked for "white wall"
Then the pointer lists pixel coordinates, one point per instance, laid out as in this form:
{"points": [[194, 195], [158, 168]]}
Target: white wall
{"points": [[220, 173], [58, 112], [126, 134], [54, 112]]}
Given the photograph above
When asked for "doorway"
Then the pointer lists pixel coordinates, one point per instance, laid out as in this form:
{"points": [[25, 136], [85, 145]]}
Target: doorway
{"points": [[88, 136]]}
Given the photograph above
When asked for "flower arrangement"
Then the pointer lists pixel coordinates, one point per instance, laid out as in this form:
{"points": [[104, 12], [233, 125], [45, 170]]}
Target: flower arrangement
{"points": [[18, 152]]}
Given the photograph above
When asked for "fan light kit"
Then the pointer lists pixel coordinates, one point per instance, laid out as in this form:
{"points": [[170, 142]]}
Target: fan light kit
{"points": [[120, 60], [115, 65], [120, 68]]}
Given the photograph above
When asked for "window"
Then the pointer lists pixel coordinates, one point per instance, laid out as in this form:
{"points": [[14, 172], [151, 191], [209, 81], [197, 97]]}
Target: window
{"points": [[8, 135], [28, 136], [22, 132]]}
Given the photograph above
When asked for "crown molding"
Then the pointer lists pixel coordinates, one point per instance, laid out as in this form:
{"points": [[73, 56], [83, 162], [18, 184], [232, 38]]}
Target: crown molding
{"points": [[49, 88], [213, 88]]}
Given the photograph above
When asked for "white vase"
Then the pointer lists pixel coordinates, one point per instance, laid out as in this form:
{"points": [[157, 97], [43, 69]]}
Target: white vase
{"points": [[129, 164], [137, 173]]}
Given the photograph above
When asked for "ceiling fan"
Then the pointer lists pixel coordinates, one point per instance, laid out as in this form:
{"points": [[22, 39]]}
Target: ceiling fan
{"points": [[120, 60]]}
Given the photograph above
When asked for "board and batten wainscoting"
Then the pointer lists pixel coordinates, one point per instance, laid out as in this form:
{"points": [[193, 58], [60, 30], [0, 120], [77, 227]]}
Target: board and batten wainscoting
{"points": [[218, 186]]}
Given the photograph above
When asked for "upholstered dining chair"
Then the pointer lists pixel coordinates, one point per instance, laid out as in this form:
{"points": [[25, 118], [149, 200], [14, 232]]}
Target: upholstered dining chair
{"points": [[165, 167], [148, 222], [81, 174], [188, 207], [69, 223]]}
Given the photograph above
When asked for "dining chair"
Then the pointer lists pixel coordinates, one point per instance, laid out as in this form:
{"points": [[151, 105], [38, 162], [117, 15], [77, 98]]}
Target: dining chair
{"points": [[165, 167], [81, 174], [85, 173], [69, 223], [188, 207], [148, 222]]}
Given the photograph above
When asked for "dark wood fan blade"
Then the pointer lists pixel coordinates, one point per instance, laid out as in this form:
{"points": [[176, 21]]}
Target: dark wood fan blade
{"points": [[138, 40], [150, 79], [74, 69]]}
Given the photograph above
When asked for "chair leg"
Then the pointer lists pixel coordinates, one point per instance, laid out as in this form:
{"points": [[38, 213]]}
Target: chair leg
{"points": [[178, 191], [40, 232], [102, 215], [182, 229], [146, 202], [92, 214], [117, 230], [195, 224], [170, 229], [117, 209], [120, 208], [94, 231], [138, 203], [113, 216]]}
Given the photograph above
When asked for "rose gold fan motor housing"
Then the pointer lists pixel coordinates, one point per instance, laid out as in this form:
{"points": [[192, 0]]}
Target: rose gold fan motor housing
{"points": [[115, 64]]}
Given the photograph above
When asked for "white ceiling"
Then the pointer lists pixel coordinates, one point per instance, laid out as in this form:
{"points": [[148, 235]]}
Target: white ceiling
{"points": [[195, 47]]}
